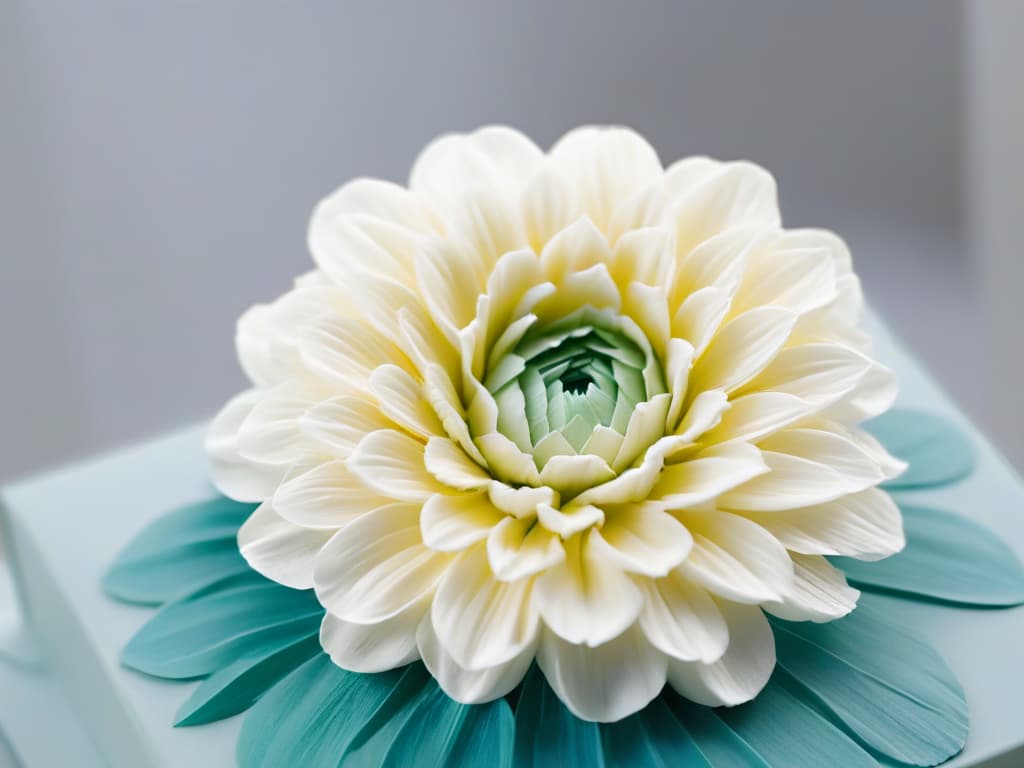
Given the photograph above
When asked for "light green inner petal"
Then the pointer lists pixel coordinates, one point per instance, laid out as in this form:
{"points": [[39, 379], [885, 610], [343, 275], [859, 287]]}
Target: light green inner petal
{"points": [[556, 383]]}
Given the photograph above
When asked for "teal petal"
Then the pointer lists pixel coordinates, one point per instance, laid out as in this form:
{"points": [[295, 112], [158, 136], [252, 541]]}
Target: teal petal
{"points": [[889, 688], [653, 738], [547, 735], [199, 635], [720, 745], [787, 731], [239, 685], [947, 558], [311, 716], [181, 552], [937, 450]]}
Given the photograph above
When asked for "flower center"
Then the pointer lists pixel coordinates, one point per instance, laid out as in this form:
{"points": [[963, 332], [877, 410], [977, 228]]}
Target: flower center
{"points": [[571, 387]]}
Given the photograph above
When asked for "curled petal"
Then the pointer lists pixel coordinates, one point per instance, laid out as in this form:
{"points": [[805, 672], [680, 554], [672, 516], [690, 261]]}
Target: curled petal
{"points": [[281, 551], [391, 463], [373, 647], [517, 548], [453, 523]]}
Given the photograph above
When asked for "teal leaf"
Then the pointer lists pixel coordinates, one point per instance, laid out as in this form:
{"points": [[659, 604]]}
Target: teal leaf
{"points": [[652, 738], [321, 715], [179, 553], [239, 685], [789, 732], [718, 743], [197, 636], [937, 450], [547, 735], [947, 558], [310, 717], [889, 688], [423, 726]]}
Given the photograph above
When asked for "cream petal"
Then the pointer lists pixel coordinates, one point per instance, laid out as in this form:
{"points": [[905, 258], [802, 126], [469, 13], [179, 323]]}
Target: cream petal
{"points": [[548, 206], [576, 248], [808, 466], [699, 316], [378, 647], [737, 559], [712, 472], [450, 465], [455, 166], [605, 166], [451, 276], [377, 566], [346, 351], [718, 263], [865, 525], [570, 520], [646, 425], [443, 398], [470, 686], [506, 461], [873, 395], [604, 683], [682, 620], [678, 358], [571, 474], [641, 538], [425, 343], [585, 599], [326, 496], [400, 396], [483, 622], [820, 592], [741, 673], [646, 305], [278, 549], [758, 414], [742, 349], [519, 547], [520, 501], [234, 475], [643, 256], [800, 279], [704, 413], [635, 483], [337, 425], [270, 432], [453, 523], [735, 194], [820, 374], [391, 463]]}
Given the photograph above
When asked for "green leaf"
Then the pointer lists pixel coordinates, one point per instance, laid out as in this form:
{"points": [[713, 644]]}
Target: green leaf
{"points": [[947, 558]]}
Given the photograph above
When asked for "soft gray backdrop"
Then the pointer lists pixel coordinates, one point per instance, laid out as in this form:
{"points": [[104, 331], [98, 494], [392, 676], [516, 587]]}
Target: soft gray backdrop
{"points": [[159, 161]]}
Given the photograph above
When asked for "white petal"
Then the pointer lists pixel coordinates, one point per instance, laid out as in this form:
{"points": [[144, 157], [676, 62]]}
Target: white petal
{"points": [[506, 461], [483, 622], [741, 673], [279, 550], [569, 520], [699, 317], [401, 397], [337, 425], [517, 548], [585, 599], [865, 525], [451, 276], [758, 414], [346, 351], [391, 463], [604, 683], [736, 194], [326, 496], [646, 425], [742, 349], [642, 255], [681, 619], [548, 206], [571, 474], [605, 166], [447, 462], [576, 248], [793, 275], [641, 538], [737, 559], [270, 433], [373, 647], [454, 166], [469, 686], [817, 466], [711, 473], [704, 413], [453, 523], [817, 373], [520, 501], [820, 592], [234, 475], [377, 566]]}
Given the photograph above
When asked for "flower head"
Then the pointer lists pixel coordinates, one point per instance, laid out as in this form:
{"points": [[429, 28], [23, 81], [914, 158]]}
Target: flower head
{"points": [[567, 407]]}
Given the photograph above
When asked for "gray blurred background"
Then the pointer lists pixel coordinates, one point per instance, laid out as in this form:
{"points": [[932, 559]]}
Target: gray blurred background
{"points": [[158, 161]]}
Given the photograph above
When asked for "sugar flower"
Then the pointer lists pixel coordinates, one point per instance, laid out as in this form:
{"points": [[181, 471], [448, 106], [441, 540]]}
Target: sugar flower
{"points": [[568, 407]]}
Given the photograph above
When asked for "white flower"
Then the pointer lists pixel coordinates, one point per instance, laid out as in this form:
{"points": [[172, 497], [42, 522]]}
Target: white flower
{"points": [[568, 407]]}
